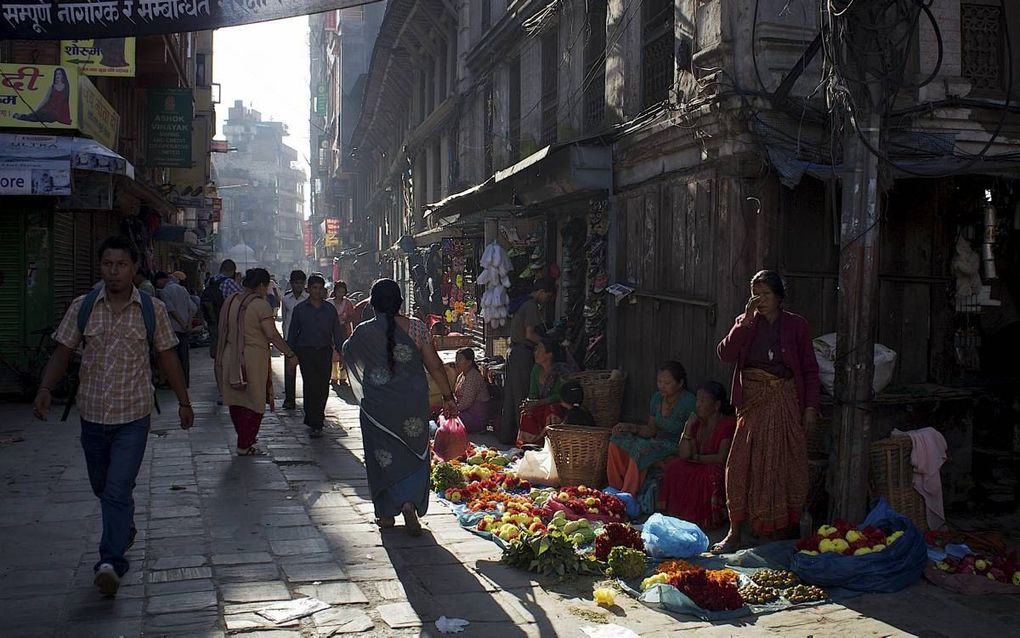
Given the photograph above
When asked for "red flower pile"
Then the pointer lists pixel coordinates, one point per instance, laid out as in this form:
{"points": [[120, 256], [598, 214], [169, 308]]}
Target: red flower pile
{"points": [[585, 501], [1000, 568], [616, 535], [711, 590]]}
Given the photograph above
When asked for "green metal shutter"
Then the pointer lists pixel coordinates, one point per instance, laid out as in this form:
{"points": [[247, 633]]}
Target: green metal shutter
{"points": [[12, 290], [84, 259], [63, 264]]}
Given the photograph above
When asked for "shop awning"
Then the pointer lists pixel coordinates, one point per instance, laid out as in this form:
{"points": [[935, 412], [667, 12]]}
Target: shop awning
{"points": [[552, 173], [78, 153]]}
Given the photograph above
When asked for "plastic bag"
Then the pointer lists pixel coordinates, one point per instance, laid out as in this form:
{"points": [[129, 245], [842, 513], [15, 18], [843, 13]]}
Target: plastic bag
{"points": [[668, 537], [895, 567], [539, 467], [451, 439], [825, 354], [632, 504]]}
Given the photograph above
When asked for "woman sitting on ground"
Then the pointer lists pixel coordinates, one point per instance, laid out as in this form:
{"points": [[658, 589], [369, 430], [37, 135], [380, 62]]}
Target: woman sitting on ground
{"points": [[471, 392], [544, 399], [693, 485], [635, 448]]}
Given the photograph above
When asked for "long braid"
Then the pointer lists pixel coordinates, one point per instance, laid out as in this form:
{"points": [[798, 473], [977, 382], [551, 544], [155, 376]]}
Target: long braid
{"points": [[391, 341], [386, 299]]}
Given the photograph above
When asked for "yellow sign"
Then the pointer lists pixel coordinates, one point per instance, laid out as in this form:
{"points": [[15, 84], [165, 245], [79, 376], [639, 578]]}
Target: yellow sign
{"points": [[38, 96], [102, 56], [331, 240], [97, 118]]}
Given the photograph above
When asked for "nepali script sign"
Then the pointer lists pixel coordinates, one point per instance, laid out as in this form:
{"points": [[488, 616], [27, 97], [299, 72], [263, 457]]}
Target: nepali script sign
{"points": [[79, 19]]}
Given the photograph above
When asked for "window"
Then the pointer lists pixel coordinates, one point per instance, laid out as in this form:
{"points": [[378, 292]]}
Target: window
{"points": [[982, 44], [515, 109], [550, 84], [657, 55], [595, 65]]}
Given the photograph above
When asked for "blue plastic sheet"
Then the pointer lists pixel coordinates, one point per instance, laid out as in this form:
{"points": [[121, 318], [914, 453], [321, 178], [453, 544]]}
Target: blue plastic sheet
{"points": [[668, 537], [897, 566]]}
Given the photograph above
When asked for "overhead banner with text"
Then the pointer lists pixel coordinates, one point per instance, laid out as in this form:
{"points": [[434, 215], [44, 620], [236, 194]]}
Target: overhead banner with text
{"points": [[112, 56], [76, 19]]}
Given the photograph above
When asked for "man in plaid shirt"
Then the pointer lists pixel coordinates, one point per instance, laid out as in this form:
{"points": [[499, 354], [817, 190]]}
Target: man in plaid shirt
{"points": [[115, 395]]}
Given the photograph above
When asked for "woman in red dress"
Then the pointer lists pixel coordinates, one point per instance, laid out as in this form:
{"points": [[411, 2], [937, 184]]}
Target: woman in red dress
{"points": [[693, 486], [56, 106]]}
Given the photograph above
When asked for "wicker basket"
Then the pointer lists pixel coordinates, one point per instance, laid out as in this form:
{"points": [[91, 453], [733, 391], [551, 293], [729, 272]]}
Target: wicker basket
{"points": [[603, 395], [580, 453], [892, 477]]}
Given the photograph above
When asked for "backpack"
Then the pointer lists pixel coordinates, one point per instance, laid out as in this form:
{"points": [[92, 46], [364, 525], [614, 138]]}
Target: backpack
{"points": [[148, 316], [212, 301]]}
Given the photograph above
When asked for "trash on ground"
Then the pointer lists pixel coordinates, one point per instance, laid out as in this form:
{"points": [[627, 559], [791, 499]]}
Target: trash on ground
{"points": [[283, 612]]}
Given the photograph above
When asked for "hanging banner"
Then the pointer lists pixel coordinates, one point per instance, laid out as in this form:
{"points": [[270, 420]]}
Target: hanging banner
{"points": [[96, 118], [306, 235], [168, 127], [76, 19], [38, 96], [102, 56]]}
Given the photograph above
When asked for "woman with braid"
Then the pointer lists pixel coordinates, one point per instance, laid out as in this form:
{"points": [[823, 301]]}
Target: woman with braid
{"points": [[386, 359]]}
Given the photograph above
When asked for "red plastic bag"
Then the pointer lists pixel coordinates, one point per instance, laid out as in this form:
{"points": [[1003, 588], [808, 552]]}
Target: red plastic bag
{"points": [[451, 439]]}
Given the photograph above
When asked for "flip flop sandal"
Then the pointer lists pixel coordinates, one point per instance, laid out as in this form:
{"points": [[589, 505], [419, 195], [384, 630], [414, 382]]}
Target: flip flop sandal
{"points": [[252, 451]]}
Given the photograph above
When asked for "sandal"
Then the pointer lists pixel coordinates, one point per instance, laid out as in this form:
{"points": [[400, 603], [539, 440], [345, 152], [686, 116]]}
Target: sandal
{"points": [[411, 522], [252, 451]]}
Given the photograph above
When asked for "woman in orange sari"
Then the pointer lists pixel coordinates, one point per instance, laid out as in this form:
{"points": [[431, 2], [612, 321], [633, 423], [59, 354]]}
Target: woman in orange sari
{"points": [[775, 390], [693, 485]]}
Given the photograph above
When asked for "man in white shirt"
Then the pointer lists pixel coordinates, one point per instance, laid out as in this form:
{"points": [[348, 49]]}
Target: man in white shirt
{"points": [[182, 309], [294, 296]]}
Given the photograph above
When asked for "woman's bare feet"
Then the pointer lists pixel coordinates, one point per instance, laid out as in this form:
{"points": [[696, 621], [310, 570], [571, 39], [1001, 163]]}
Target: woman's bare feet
{"points": [[729, 544], [411, 522], [385, 522]]}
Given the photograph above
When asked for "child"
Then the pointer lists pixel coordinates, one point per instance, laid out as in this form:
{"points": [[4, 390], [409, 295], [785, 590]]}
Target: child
{"points": [[571, 397]]}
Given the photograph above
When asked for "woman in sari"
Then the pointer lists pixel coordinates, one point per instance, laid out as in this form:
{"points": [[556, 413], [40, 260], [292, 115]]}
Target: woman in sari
{"points": [[386, 359], [693, 485], [471, 392], [633, 449], [345, 311], [543, 404], [775, 391], [246, 329]]}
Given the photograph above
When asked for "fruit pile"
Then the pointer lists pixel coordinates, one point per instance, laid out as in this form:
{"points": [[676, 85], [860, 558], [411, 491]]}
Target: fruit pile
{"points": [[758, 595], [585, 501], [805, 594], [843, 538], [775, 578], [580, 532], [1002, 569]]}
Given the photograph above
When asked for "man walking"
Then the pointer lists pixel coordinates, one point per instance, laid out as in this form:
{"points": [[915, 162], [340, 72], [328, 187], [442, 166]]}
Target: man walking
{"points": [[314, 331], [181, 309], [122, 330], [219, 288], [294, 296]]}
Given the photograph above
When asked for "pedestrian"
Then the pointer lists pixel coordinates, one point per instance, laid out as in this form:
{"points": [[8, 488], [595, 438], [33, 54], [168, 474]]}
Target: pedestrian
{"points": [[143, 283], [292, 298], [274, 295], [386, 360], [181, 309], [526, 330], [344, 308], [315, 333], [218, 289], [124, 329], [243, 361]]}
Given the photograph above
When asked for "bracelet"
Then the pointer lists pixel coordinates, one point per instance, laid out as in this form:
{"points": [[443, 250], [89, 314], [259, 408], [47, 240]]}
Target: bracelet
{"points": [[42, 387], [184, 405]]}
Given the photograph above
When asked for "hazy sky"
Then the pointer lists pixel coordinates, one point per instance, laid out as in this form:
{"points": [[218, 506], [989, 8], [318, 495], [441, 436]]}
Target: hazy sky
{"points": [[266, 66]]}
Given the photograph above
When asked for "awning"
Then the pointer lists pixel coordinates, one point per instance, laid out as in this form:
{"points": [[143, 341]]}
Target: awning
{"points": [[552, 173], [78, 153]]}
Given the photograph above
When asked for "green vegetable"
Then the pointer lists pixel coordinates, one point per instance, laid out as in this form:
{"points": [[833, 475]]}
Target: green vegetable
{"points": [[445, 476], [627, 563], [552, 554]]}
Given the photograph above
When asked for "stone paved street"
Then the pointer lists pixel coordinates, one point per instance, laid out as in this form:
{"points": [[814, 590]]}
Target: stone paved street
{"points": [[221, 536]]}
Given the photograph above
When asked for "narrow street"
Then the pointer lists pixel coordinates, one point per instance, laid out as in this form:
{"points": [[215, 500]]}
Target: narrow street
{"points": [[220, 537]]}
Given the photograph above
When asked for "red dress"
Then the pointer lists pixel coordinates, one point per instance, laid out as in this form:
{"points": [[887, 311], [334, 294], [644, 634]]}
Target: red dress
{"points": [[695, 492]]}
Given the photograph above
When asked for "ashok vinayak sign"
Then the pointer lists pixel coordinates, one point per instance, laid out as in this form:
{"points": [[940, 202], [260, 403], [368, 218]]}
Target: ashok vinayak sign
{"points": [[168, 127], [98, 19]]}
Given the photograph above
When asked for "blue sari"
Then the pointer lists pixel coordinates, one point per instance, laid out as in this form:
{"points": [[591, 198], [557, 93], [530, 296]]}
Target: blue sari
{"points": [[394, 416]]}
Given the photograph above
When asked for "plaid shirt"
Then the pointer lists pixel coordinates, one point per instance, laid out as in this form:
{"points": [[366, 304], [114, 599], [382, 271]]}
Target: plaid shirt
{"points": [[116, 379], [227, 285]]}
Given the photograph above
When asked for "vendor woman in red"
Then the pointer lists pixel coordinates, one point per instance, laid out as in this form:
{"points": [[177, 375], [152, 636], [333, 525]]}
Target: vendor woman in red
{"points": [[775, 391], [692, 487]]}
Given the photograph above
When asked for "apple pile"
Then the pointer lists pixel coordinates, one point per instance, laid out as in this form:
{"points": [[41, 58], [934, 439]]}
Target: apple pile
{"points": [[1002, 569], [585, 501], [843, 538]]}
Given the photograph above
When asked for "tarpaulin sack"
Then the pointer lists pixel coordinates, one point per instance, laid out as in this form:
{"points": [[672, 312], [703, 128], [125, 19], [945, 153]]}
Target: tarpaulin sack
{"points": [[539, 467], [668, 537], [451, 439], [897, 566]]}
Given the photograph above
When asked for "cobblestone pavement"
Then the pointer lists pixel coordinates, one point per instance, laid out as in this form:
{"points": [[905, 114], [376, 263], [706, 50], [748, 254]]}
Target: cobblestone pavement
{"points": [[221, 536]]}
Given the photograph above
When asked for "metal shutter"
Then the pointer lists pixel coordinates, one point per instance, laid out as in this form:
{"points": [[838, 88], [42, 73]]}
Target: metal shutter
{"points": [[63, 263], [84, 259], [12, 289]]}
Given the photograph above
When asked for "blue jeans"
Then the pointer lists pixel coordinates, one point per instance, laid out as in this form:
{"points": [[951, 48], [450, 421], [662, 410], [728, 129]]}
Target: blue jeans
{"points": [[113, 454]]}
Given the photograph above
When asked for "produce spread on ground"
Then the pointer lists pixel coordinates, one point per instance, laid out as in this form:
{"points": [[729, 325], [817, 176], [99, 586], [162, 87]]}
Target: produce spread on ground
{"points": [[576, 530]]}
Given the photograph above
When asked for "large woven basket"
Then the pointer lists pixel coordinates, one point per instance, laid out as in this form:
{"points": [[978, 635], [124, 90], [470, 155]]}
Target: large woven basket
{"points": [[603, 395], [580, 453], [892, 477]]}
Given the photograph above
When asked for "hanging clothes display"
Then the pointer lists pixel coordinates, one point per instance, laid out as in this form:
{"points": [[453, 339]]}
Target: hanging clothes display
{"points": [[596, 249], [495, 277]]}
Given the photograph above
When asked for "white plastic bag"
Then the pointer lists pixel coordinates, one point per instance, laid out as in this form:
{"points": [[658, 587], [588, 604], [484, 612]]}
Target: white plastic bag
{"points": [[825, 354], [539, 467]]}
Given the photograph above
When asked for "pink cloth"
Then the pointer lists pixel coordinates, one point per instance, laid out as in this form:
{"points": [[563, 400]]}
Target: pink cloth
{"points": [[927, 456]]}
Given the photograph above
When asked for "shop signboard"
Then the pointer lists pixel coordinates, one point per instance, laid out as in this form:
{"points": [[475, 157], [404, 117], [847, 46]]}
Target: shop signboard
{"points": [[97, 118], [217, 208], [35, 177], [66, 19], [101, 56], [168, 127], [332, 225], [306, 235], [38, 96]]}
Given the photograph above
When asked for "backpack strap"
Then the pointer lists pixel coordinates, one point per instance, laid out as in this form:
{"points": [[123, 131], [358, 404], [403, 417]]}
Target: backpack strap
{"points": [[85, 310], [149, 317]]}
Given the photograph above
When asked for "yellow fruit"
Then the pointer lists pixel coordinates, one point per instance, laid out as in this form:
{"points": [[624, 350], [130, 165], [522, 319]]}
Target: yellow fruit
{"points": [[826, 546], [944, 566], [657, 579], [893, 537], [862, 551], [981, 565], [604, 597], [571, 527], [1016, 578], [840, 545], [853, 536], [809, 552], [456, 497], [877, 548], [827, 530], [584, 522], [577, 538]]}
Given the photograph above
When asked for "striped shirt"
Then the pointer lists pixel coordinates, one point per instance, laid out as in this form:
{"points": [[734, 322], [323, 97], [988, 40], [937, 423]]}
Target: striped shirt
{"points": [[116, 379]]}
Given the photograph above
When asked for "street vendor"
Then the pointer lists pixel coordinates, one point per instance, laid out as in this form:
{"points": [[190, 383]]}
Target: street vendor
{"points": [[526, 329], [775, 391], [544, 403], [635, 448], [471, 392]]}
